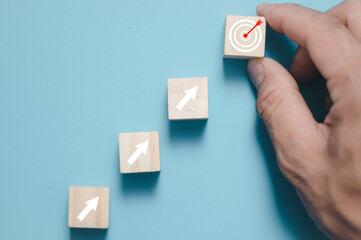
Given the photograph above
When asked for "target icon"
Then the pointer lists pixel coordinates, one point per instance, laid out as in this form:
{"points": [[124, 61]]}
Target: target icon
{"points": [[240, 40]]}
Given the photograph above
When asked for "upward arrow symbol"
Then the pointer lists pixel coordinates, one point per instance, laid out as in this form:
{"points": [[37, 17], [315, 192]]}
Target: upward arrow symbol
{"points": [[190, 94], [141, 148], [90, 205]]}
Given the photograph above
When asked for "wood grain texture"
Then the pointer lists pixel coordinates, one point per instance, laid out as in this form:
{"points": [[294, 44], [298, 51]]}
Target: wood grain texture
{"points": [[77, 202], [150, 162], [230, 51], [194, 109]]}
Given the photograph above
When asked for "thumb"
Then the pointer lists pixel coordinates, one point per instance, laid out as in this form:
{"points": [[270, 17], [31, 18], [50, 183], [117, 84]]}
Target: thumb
{"points": [[289, 121]]}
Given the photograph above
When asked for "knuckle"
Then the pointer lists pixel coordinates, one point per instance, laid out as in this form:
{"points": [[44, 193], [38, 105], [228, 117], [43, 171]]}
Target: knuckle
{"points": [[268, 101], [329, 22], [288, 170], [291, 166], [299, 166], [333, 21], [353, 5]]}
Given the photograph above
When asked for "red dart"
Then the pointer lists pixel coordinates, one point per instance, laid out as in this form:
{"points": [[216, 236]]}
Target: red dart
{"points": [[259, 22]]}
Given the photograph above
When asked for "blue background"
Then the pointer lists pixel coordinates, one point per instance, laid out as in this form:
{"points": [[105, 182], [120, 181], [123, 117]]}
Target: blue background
{"points": [[75, 73]]}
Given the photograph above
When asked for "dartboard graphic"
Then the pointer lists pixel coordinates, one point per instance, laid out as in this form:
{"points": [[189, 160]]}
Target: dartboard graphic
{"points": [[242, 43]]}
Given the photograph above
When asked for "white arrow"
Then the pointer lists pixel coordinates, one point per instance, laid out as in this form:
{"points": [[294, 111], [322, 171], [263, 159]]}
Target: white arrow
{"points": [[141, 148], [91, 205], [190, 94]]}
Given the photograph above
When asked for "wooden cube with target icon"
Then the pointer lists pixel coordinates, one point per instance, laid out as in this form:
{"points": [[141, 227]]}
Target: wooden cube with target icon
{"points": [[244, 37]]}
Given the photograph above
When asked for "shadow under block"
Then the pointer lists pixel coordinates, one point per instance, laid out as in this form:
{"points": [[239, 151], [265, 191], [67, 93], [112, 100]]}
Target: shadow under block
{"points": [[139, 152], [236, 45], [88, 207], [187, 98]]}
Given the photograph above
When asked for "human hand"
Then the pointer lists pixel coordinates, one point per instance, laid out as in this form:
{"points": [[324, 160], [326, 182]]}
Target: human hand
{"points": [[322, 160]]}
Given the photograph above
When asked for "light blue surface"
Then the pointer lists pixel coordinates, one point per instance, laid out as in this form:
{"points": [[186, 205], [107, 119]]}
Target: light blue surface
{"points": [[75, 73]]}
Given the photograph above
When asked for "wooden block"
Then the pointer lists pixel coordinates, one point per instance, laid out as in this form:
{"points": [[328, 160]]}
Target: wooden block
{"points": [[236, 44], [88, 207], [187, 98], [139, 152]]}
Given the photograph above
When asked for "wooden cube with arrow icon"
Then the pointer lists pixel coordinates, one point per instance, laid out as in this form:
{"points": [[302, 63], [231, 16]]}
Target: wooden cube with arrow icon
{"points": [[139, 152], [88, 207], [187, 98]]}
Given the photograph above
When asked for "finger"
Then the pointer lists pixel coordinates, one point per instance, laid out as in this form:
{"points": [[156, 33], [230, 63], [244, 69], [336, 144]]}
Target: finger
{"points": [[278, 97], [330, 45], [349, 13], [283, 109], [302, 67]]}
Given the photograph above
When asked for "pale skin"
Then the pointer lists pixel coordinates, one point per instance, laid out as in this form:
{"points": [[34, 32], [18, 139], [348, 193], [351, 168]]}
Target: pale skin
{"points": [[322, 160]]}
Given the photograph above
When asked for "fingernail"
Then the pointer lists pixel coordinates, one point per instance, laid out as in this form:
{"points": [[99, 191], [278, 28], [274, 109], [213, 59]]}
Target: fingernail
{"points": [[255, 72]]}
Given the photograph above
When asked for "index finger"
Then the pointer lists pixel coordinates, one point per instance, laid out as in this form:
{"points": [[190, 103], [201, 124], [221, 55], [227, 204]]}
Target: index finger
{"points": [[330, 45]]}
